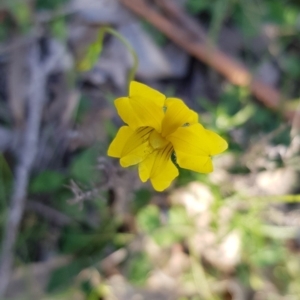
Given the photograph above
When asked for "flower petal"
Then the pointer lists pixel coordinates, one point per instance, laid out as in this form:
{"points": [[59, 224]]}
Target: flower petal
{"points": [[137, 90], [177, 115], [191, 140], [127, 113], [116, 147], [165, 178], [137, 155], [216, 144], [137, 147], [202, 164], [196, 140], [145, 167], [143, 107], [159, 168]]}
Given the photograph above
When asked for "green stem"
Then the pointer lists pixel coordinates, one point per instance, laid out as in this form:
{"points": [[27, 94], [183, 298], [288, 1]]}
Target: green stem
{"points": [[198, 273], [115, 33]]}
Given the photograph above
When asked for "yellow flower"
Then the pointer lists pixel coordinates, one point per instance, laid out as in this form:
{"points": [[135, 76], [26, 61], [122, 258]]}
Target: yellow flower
{"points": [[157, 128]]}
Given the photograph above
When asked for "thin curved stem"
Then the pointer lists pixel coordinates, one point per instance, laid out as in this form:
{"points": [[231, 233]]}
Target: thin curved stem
{"points": [[133, 70]]}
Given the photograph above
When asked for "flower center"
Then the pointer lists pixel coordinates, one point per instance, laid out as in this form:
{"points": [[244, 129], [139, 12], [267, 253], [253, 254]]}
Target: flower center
{"points": [[156, 140]]}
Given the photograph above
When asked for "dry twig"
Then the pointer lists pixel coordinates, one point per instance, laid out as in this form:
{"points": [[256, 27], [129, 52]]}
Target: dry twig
{"points": [[190, 36], [36, 97], [6, 137], [49, 213]]}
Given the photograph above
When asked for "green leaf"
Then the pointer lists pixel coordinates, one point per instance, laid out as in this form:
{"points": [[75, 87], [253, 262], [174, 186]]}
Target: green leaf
{"points": [[48, 181], [148, 218], [142, 198], [92, 53], [59, 29], [63, 277], [138, 269], [75, 241], [6, 179], [49, 4], [177, 229], [167, 236], [195, 6], [291, 65], [22, 13], [178, 216], [83, 167], [227, 122], [267, 256]]}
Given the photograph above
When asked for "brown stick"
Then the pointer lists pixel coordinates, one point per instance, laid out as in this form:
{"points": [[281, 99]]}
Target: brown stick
{"points": [[197, 45], [176, 14]]}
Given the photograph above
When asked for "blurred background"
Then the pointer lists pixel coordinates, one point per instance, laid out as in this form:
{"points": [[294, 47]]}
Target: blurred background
{"points": [[75, 225]]}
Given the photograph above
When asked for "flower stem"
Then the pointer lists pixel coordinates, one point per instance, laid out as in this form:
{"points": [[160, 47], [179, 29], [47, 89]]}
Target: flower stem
{"points": [[115, 33]]}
